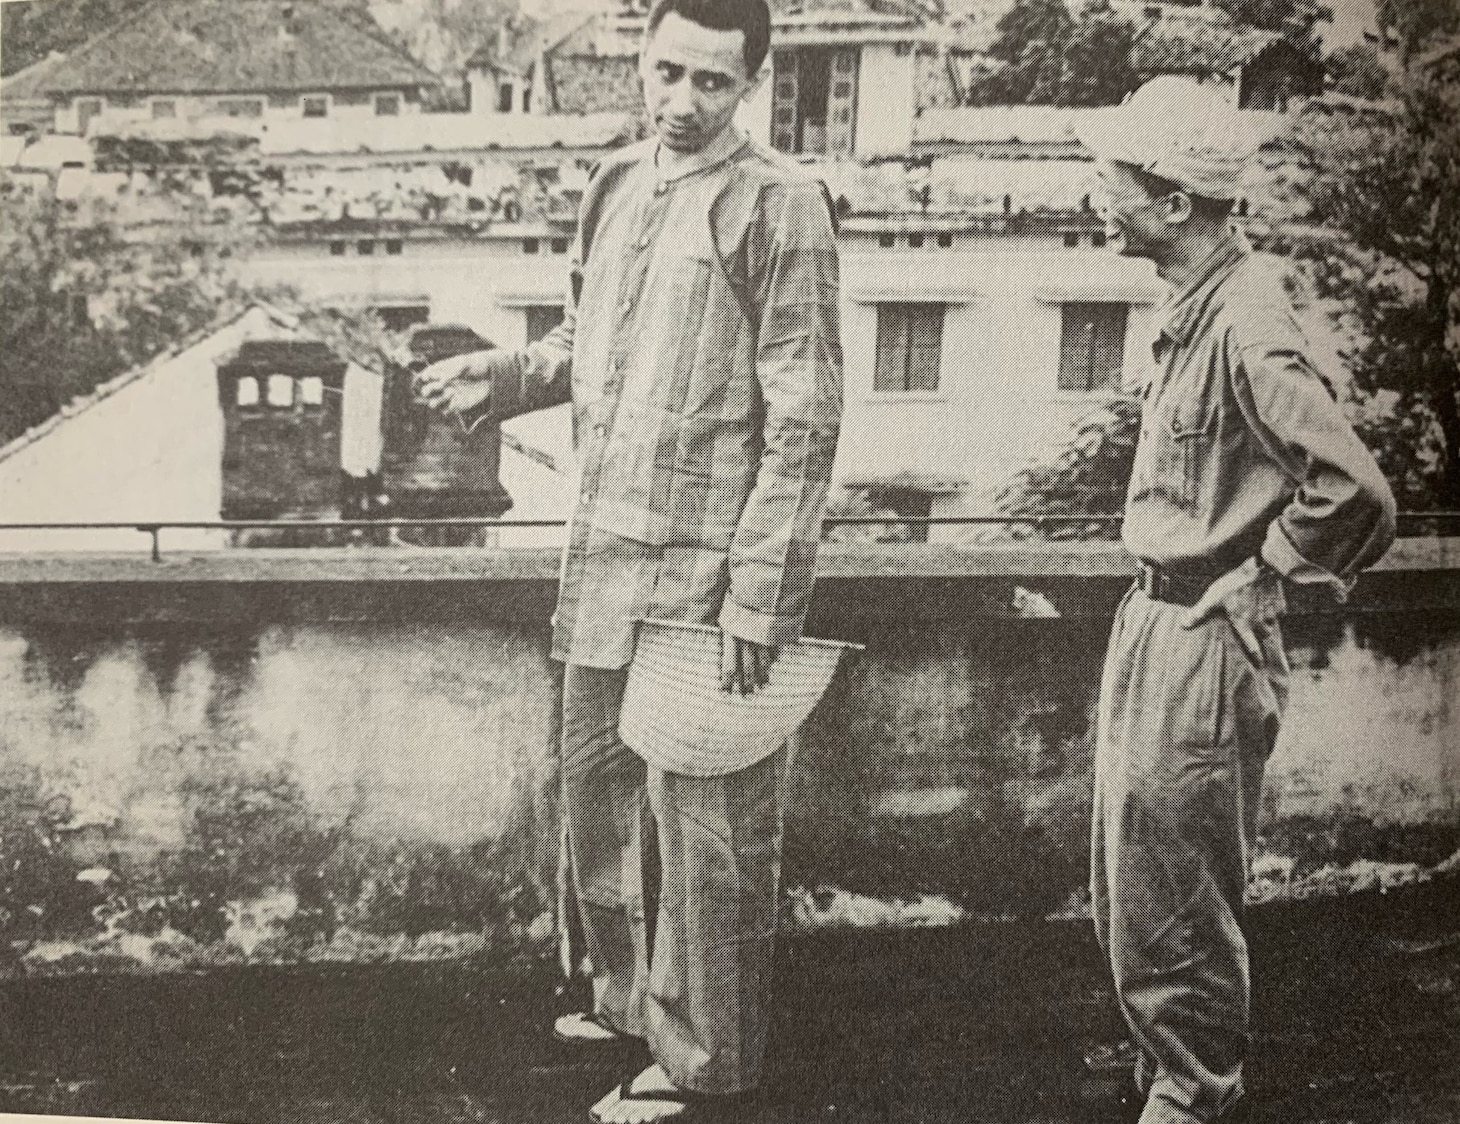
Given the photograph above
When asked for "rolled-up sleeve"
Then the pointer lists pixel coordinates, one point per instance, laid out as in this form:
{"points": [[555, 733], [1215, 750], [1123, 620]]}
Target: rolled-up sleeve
{"points": [[794, 272], [1341, 518]]}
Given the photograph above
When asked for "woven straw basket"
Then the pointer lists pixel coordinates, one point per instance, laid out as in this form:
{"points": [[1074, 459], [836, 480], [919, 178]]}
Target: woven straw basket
{"points": [[676, 717]]}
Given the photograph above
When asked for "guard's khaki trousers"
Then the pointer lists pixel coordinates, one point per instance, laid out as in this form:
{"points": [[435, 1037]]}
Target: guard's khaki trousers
{"points": [[1186, 724], [699, 992]]}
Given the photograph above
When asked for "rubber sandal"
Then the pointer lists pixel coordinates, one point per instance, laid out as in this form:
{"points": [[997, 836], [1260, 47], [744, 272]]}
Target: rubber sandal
{"points": [[688, 1106], [586, 1028]]}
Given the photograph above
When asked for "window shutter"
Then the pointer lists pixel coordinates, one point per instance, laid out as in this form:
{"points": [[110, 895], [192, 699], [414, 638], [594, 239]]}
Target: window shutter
{"points": [[841, 108], [891, 372], [1092, 347], [925, 346], [1109, 348], [784, 98]]}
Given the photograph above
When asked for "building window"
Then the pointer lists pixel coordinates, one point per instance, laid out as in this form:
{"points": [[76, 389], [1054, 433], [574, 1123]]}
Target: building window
{"points": [[337, 249], [163, 107], [1092, 347], [1097, 239], [365, 247], [239, 107], [526, 99], [311, 390], [529, 245], [915, 241], [945, 241], [909, 347], [247, 391], [1072, 238], [281, 390], [887, 241], [315, 105], [814, 101], [393, 246], [387, 105], [559, 245], [542, 319], [504, 97], [86, 109]]}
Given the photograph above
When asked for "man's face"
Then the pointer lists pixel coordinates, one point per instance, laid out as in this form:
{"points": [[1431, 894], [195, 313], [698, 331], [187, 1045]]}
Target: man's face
{"points": [[1135, 222], [694, 77]]}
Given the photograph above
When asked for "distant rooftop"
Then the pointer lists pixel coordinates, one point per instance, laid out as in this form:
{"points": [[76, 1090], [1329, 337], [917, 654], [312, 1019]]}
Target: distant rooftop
{"points": [[228, 46]]}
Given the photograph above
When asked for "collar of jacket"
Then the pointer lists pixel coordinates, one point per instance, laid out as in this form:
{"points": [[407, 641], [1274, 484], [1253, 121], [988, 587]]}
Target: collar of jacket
{"points": [[724, 148], [1183, 311]]}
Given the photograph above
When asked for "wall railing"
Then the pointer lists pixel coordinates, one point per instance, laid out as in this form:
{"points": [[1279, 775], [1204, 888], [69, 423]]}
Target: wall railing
{"points": [[1037, 522]]}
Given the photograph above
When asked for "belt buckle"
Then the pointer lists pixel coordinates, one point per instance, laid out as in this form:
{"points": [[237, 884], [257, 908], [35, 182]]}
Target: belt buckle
{"points": [[1152, 582]]}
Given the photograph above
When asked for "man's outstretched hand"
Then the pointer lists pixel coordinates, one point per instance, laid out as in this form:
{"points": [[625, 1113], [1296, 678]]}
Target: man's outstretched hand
{"points": [[745, 666], [457, 384]]}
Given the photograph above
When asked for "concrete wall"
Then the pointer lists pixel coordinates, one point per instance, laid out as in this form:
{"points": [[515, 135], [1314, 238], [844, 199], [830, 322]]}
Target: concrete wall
{"points": [[886, 100], [351, 754]]}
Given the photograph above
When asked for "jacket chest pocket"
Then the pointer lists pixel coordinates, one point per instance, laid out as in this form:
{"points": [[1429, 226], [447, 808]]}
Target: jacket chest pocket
{"points": [[1178, 430]]}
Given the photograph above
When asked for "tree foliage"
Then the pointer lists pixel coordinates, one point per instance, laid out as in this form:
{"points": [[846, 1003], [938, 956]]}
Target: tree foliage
{"points": [[85, 300], [88, 296], [1413, 24], [1357, 72], [1389, 183], [1049, 57], [1297, 19], [1086, 476]]}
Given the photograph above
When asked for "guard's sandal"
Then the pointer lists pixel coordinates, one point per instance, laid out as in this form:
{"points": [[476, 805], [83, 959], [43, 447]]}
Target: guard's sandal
{"points": [[629, 1105], [586, 1028]]}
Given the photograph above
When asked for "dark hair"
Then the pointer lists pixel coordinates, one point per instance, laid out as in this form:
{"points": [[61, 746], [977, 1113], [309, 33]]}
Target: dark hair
{"points": [[1204, 207], [750, 17]]}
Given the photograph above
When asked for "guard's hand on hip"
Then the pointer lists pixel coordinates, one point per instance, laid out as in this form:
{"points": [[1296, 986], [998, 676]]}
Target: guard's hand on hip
{"points": [[1248, 596], [745, 666]]}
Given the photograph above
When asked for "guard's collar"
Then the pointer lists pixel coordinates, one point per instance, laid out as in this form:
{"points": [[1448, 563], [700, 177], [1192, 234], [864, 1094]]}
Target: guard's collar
{"points": [[1183, 310]]}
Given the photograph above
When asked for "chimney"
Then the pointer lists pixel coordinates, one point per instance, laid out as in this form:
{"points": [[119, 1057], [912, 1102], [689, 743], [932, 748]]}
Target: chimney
{"points": [[281, 402]]}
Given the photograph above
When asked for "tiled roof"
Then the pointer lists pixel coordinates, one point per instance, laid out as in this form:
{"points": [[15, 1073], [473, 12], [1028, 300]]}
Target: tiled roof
{"points": [[1172, 45], [206, 46], [28, 84], [594, 84], [530, 38]]}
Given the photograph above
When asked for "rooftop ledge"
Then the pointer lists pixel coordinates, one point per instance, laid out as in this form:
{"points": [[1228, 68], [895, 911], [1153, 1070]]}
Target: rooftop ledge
{"points": [[1035, 560], [861, 582]]}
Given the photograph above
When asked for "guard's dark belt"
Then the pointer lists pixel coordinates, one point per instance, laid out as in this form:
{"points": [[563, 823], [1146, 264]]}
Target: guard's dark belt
{"points": [[1163, 585]]}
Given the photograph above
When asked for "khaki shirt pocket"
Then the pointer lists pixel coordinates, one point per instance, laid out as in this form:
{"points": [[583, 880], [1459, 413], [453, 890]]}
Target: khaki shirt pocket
{"points": [[1176, 448]]}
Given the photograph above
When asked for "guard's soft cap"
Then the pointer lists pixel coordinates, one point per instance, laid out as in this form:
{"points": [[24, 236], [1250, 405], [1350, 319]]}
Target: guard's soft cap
{"points": [[1178, 129]]}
